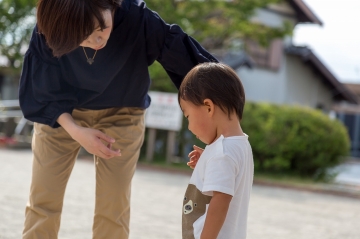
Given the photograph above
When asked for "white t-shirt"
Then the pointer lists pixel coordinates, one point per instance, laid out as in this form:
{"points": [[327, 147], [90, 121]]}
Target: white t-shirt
{"points": [[225, 166]]}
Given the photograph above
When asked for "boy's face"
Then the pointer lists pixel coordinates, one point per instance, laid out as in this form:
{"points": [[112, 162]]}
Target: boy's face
{"points": [[200, 121]]}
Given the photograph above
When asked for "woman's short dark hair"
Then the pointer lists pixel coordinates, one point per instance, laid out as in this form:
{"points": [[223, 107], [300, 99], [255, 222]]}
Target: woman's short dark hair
{"points": [[217, 82], [67, 23]]}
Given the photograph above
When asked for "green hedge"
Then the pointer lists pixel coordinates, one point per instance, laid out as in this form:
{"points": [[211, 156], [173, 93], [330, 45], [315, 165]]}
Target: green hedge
{"points": [[294, 139], [290, 140]]}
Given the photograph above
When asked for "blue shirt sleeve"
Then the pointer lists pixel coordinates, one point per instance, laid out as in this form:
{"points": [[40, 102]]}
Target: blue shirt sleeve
{"points": [[43, 94], [177, 52]]}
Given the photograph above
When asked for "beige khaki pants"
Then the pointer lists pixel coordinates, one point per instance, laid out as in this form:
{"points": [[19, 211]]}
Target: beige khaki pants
{"points": [[54, 154]]}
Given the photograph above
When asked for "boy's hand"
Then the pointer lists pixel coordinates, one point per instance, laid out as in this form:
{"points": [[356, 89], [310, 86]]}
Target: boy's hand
{"points": [[194, 156]]}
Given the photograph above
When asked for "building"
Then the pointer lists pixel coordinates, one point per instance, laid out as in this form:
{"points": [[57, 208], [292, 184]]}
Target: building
{"points": [[284, 73], [287, 74]]}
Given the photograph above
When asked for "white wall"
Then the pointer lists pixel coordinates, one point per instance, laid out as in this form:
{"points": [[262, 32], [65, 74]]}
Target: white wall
{"points": [[304, 87], [263, 84], [273, 18], [295, 84]]}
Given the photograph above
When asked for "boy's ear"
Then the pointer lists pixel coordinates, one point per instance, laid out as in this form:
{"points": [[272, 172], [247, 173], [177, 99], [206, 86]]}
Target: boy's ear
{"points": [[209, 106]]}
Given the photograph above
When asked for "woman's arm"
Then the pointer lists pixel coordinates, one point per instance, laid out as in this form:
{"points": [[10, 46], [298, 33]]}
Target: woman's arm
{"points": [[216, 215], [176, 51], [90, 139]]}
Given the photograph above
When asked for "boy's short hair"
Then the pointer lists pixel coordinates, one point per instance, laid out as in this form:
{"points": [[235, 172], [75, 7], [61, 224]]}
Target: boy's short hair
{"points": [[67, 23], [217, 82]]}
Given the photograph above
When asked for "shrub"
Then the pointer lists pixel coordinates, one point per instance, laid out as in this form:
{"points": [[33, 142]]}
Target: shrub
{"points": [[294, 139]]}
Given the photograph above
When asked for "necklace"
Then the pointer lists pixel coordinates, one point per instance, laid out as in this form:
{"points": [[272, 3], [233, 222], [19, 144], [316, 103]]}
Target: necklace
{"points": [[89, 60]]}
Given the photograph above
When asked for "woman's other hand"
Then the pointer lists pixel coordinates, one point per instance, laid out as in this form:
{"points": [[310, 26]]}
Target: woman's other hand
{"points": [[93, 141]]}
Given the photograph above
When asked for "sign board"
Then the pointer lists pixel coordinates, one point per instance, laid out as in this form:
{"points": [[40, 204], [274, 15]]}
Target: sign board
{"points": [[164, 112]]}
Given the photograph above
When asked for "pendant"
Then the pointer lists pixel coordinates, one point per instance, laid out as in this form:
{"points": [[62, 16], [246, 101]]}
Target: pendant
{"points": [[90, 60]]}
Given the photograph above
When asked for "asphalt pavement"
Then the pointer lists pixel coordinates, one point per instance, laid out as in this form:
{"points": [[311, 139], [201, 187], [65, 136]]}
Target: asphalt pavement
{"points": [[157, 200]]}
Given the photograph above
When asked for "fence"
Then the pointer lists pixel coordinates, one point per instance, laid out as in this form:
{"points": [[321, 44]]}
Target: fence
{"points": [[350, 116]]}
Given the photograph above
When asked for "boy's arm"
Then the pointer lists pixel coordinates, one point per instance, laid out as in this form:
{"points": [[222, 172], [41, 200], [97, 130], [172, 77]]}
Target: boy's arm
{"points": [[216, 215]]}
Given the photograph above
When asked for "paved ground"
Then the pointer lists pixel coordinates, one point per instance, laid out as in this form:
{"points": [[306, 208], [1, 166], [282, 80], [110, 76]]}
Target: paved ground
{"points": [[274, 212]]}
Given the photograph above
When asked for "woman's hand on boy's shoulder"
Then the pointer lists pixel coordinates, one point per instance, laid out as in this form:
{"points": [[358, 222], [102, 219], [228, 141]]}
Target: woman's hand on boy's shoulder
{"points": [[194, 156]]}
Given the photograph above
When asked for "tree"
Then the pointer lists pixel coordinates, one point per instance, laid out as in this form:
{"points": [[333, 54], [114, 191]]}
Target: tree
{"points": [[17, 21], [215, 24]]}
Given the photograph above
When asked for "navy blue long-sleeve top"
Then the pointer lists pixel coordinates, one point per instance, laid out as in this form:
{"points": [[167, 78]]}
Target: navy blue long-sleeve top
{"points": [[119, 76]]}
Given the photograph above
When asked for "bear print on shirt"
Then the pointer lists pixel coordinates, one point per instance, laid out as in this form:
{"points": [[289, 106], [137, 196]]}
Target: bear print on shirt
{"points": [[194, 206]]}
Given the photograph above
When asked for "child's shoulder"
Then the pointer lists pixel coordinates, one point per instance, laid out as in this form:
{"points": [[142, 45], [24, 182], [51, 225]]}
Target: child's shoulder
{"points": [[240, 141], [236, 146], [228, 147]]}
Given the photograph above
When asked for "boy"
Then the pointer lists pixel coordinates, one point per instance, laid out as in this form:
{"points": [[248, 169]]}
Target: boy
{"points": [[217, 199]]}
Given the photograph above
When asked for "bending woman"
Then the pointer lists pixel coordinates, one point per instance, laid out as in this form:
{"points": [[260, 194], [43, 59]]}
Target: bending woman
{"points": [[84, 83]]}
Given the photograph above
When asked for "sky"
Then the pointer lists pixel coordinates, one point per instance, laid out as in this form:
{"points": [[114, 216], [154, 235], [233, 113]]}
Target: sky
{"points": [[337, 42]]}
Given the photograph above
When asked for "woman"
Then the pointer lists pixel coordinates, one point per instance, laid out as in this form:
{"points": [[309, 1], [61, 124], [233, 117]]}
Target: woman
{"points": [[84, 83]]}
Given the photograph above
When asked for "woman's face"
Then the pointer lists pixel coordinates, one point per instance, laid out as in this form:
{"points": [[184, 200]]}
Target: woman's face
{"points": [[98, 39]]}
